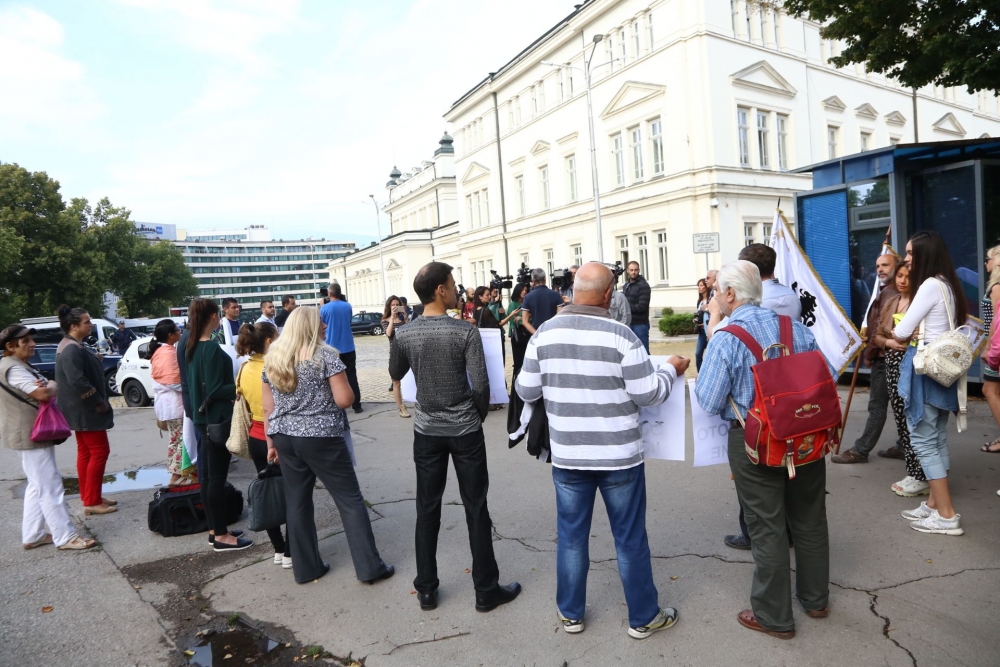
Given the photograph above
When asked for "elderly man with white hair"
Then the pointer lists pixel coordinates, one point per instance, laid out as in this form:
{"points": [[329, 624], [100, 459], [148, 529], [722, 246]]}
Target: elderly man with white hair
{"points": [[768, 497], [593, 389]]}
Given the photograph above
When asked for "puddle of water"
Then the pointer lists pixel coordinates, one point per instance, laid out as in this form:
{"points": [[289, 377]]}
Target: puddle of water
{"points": [[139, 479], [240, 645]]}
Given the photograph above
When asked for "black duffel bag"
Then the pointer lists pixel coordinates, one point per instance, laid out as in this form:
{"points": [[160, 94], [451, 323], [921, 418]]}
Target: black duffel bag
{"points": [[266, 500], [178, 510]]}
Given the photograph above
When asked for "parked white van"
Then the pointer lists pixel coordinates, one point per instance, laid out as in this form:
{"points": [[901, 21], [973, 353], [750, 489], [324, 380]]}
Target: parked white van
{"points": [[135, 381], [47, 331]]}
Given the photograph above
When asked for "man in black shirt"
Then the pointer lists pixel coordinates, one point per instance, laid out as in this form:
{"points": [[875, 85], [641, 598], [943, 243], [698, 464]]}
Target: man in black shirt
{"points": [[637, 291], [446, 356], [122, 338], [287, 306], [540, 304]]}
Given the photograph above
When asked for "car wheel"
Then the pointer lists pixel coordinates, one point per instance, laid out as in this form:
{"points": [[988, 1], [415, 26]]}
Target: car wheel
{"points": [[376, 330], [135, 394], [112, 378]]}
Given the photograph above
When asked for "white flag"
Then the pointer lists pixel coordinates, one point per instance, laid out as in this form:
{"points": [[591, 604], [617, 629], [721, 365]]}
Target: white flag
{"points": [[835, 333]]}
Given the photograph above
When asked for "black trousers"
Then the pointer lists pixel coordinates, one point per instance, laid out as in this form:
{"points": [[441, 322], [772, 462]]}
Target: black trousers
{"points": [[213, 469], [350, 360], [258, 452], [302, 461], [517, 349], [468, 452]]}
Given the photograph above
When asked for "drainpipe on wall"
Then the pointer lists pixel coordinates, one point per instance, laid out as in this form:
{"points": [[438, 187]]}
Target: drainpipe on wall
{"points": [[916, 125], [503, 205]]}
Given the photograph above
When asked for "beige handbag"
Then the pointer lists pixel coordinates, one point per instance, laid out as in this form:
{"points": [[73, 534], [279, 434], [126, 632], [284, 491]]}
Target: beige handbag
{"points": [[950, 355], [239, 432]]}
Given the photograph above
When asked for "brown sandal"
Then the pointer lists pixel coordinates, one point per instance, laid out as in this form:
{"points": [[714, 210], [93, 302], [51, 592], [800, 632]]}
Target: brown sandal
{"points": [[78, 544], [988, 445], [46, 539], [748, 620]]}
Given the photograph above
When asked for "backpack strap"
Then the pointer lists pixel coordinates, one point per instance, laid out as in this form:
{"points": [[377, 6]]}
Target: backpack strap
{"points": [[755, 349], [785, 333]]}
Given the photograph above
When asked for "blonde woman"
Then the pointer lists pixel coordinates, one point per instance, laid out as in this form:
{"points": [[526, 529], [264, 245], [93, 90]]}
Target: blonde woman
{"points": [[305, 392], [988, 309]]}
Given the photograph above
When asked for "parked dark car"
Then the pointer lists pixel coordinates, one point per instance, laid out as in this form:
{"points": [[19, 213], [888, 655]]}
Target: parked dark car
{"points": [[367, 323], [44, 359]]}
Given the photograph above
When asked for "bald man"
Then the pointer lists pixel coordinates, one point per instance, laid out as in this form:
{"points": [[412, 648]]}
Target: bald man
{"points": [[593, 390]]}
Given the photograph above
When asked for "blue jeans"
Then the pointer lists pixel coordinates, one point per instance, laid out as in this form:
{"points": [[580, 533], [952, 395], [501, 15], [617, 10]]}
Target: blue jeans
{"points": [[699, 350], [642, 331], [624, 494], [929, 440]]}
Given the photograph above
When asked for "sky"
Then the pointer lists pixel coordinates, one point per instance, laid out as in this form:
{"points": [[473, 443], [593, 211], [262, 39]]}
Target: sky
{"points": [[217, 114]]}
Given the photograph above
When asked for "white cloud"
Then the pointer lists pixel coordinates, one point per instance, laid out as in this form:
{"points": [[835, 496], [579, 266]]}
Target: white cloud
{"points": [[44, 90]]}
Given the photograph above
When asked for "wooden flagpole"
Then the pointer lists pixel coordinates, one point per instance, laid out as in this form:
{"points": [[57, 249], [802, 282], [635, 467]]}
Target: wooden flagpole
{"points": [[860, 359]]}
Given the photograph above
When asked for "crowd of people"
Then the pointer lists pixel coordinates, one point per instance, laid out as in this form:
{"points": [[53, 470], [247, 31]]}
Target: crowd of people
{"points": [[299, 378]]}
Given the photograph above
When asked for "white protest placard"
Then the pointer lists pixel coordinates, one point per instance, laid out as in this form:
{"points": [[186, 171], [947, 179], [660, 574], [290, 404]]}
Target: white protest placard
{"points": [[711, 435], [494, 371], [663, 427]]}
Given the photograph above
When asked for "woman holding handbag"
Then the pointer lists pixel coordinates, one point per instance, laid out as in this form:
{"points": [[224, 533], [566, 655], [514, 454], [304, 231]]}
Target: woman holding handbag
{"points": [[23, 390], [84, 402], [254, 340], [167, 403], [305, 393], [212, 390], [934, 312]]}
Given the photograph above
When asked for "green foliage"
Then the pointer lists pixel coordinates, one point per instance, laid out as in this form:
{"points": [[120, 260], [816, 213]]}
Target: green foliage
{"points": [[916, 42], [676, 324], [51, 253]]}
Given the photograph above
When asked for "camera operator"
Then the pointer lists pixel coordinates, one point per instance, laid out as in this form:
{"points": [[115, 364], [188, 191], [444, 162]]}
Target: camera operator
{"points": [[566, 291], [540, 304]]}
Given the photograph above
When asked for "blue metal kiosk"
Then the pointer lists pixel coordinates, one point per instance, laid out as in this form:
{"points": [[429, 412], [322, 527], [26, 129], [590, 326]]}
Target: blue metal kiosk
{"points": [[951, 187]]}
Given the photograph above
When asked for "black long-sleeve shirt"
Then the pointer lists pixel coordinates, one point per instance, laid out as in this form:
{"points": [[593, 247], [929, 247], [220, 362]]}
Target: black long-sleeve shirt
{"points": [[445, 354]]}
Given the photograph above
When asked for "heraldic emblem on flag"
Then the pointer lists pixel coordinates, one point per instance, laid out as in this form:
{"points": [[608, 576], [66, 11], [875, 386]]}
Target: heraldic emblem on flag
{"points": [[835, 334]]}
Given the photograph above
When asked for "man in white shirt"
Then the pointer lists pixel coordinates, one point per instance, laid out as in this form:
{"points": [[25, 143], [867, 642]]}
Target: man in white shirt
{"points": [[266, 312], [777, 297]]}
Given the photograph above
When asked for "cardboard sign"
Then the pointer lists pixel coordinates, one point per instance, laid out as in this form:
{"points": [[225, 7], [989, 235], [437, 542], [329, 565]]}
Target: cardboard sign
{"points": [[494, 371], [663, 427], [711, 435]]}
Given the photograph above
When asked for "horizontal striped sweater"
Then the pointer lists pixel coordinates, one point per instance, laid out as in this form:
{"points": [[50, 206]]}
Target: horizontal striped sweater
{"points": [[594, 375]]}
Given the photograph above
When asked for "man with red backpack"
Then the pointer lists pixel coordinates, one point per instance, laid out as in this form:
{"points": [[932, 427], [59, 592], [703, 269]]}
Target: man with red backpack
{"points": [[780, 470]]}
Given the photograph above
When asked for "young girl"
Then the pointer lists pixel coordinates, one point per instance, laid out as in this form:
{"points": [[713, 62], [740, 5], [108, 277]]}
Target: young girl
{"points": [[167, 403]]}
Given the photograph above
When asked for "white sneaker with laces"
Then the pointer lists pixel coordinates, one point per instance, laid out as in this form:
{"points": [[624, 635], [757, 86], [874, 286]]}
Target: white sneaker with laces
{"points": [[572, 626], [910, 487], [286, 562], [921, 512], [277, 559], [938, 525], [666, 618]]}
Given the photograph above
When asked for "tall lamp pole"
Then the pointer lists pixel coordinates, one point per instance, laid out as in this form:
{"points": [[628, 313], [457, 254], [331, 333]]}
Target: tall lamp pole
{"points": [[587, 71], [381, 259]]}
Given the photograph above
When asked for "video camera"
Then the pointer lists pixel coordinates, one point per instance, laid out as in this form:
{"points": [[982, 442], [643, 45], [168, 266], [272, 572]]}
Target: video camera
{"points": [[524, 274], [562, 279], [617, 269], [500, 282], [460, 291]]}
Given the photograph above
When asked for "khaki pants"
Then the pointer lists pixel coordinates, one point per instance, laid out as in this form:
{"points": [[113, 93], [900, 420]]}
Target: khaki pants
{"points": [[769, 500]]}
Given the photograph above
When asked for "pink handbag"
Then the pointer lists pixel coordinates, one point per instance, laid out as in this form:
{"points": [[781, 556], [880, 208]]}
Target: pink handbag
{"points": [[50, 424]]}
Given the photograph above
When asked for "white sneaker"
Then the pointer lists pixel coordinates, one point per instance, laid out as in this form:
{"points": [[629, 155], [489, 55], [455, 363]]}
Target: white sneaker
{"points": [[666, 618], [277, 558], [910, 487], [570, 625], [921, 512], [286, 562], [938, 525]]}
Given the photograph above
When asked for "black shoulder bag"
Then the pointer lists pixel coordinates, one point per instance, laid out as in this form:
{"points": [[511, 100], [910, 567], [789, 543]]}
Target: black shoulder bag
{"points": [[218, 432]]}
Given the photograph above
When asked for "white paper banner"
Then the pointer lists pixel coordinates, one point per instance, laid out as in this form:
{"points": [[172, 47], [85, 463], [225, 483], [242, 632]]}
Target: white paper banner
{"points": [[494, 371], [663, 427], [711, 435]]}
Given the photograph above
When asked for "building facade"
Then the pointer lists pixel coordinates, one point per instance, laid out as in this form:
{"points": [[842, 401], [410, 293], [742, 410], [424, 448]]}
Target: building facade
{"points": [[249, 266], [423, 227]]}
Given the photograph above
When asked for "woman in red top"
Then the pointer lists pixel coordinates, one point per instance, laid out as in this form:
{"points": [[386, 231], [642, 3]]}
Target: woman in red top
{"points": [[254, 340]]}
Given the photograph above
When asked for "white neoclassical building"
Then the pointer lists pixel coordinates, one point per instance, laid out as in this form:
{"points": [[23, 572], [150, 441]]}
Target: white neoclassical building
{"points": [[702, 110]]}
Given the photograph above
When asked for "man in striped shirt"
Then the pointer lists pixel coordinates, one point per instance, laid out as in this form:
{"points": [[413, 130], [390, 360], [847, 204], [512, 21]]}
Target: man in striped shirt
{"points": [[594, 375]]}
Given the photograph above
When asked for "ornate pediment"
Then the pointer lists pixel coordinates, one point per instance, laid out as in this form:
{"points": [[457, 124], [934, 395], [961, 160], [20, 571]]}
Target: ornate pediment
{"points": [[392, 264], [540, 147], [568, 138], [631, 94], [866, 111], [474, 172], [762, 76], [949, 125], [895, 118], [834, 103]]}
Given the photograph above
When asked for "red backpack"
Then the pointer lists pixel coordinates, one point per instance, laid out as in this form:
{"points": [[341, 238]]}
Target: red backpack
{"points": [[795, 418]]}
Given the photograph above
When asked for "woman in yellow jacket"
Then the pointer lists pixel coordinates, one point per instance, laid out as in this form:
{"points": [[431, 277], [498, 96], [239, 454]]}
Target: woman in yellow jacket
{"points": [[254, 339]]}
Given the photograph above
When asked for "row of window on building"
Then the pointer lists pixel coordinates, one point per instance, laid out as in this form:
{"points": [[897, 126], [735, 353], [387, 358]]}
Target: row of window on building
{"points": [[270, 268], [255, 250], [261, 258], [317, 275]]}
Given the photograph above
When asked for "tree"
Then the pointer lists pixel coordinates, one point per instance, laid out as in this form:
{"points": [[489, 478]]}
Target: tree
{"points": [[916, 42], [170, 281]]}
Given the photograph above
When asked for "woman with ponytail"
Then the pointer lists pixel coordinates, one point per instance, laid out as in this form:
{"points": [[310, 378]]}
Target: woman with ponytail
{"points": [[83, 400], [167, 403]]}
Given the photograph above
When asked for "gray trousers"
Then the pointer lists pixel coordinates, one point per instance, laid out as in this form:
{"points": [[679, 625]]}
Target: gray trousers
{"points": [[878, 408], [770, 500], [302, 461]]}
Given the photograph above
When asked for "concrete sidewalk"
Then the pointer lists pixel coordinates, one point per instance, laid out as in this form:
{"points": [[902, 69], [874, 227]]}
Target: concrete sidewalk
{"points": [[898, 597]]}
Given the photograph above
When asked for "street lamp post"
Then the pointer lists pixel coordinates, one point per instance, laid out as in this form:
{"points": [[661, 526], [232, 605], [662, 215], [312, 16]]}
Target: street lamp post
{"points": [[587, 70], [381, 258]]}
